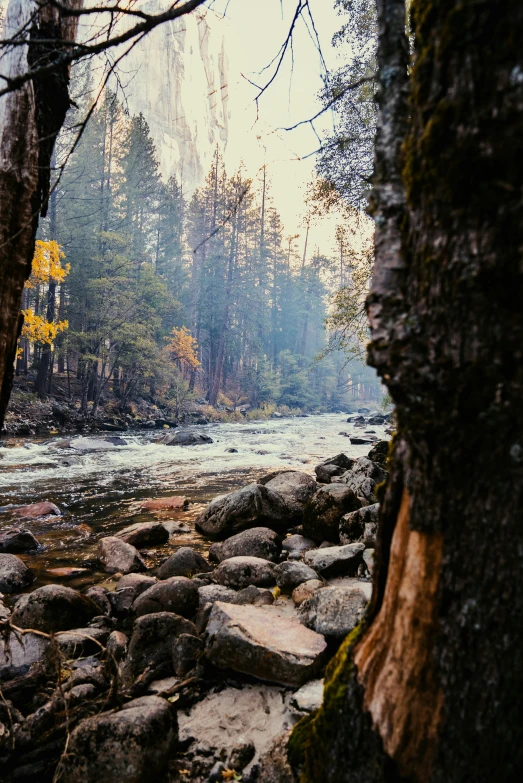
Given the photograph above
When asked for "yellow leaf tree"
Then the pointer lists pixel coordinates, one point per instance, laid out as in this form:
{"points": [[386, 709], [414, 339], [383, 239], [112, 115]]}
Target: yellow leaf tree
{"points": [[182, 348], [47, 270]]}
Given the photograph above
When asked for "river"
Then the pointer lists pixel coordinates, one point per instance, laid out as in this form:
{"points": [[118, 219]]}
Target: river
{"points": [[99, 485]]}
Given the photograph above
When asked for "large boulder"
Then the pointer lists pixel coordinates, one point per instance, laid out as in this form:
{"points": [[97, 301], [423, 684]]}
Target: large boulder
{"points": [[238, 572], [360, 525], [291, 574], [334, 466], [130, 745], [256, 542], [14, 574], [363, 478], [325, 509], [256, 640], [250, 506], [184, 562], [333, 611], [144, 534], [336, 560], [177, 594], [185, 438], [119, 557], [152, 641], [15, 539], [37, 510], [54, 608], [295, 488]]}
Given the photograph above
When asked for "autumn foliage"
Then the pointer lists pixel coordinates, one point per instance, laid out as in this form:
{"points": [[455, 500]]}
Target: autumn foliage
{"points": [[46, 267], [183, 348]]}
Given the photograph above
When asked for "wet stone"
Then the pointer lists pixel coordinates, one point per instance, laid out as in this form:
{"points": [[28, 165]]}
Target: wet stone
{"points": [[14, 574], [54, 608]]}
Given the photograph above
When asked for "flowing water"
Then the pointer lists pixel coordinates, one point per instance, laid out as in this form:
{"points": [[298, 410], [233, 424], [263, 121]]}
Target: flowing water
{"points": [[99, 485]]}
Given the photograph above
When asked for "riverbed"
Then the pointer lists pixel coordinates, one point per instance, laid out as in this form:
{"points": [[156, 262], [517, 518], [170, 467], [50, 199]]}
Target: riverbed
{"points": [[99, 484]]}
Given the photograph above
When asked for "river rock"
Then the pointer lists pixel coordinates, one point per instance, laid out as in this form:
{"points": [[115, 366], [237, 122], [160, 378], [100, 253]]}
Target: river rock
{"points": [[186, 650], [144, 534], [238, 572], [99, 596], [208, 595], [291, 574], [376, 420], [152, 640], [177, 594], [363, 478], [184, 562], [360, 525], [274, 765], [333, 611], [256, 640], [306, 590], [255, 596], [14, 574], [248, 507], [325, 509], [37, 510], [130, 745], [334, 466], [336, 560], [15, 539], [368, 559], [117, 556], [97, 444], [176, 503], [379, 452], [185, 438], [18, 653], [80, 642], [117, 644], [295, 488], [308, 698], [256, 542], [296, 545], [139, 583], [53, 608]]}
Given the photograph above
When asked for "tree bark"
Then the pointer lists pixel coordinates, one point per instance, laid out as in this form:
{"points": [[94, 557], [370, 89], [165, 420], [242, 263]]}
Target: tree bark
{"points": [[429, 687], [30, 119]]}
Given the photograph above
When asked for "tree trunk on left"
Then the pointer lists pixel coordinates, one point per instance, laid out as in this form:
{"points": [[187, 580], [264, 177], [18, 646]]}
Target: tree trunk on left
{"points": [[30, 119]]}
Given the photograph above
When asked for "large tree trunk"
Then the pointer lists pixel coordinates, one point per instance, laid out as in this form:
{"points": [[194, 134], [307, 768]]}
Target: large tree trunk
{"points": [[430, 688], [30, 119]]}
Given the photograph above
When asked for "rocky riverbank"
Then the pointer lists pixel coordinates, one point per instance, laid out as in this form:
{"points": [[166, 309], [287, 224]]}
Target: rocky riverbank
{"points": [[191, 670]]}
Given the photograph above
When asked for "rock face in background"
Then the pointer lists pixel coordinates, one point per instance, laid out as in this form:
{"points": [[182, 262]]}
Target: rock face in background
{"points": [[172, 65]]}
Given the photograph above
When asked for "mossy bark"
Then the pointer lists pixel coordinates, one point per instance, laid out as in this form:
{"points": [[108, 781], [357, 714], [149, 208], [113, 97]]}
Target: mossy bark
{"points": [[432, 689]]}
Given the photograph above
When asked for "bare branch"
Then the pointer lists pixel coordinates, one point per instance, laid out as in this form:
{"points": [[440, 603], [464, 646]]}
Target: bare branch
{"points": [[78, 51]]}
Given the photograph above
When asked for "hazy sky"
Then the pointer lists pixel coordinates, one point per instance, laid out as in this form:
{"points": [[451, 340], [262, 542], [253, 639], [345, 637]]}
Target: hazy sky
{"points": [[254, 31]]}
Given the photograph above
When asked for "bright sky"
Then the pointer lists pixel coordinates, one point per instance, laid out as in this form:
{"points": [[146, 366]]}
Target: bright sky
{"points": [[254, 31]]}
